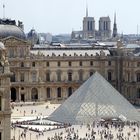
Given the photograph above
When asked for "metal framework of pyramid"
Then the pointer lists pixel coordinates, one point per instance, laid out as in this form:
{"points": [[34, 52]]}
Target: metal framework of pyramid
{"points": [[95, 99]]}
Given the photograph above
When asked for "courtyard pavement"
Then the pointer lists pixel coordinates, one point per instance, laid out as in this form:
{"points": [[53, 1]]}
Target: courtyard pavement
{"points": [[30, 111]]}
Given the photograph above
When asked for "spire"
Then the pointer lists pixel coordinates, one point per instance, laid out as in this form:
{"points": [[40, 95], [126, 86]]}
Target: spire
{"points": [[115, 18], [115, 26], [86, 9]]}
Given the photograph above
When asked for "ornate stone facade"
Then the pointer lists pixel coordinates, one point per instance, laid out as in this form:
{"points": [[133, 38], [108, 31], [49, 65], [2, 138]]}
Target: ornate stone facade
{"points": [[5, 111], [55, 73]]}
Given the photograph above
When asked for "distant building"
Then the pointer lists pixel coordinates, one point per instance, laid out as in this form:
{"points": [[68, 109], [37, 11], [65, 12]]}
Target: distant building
{"points": [[89, 31], [33, 37]]}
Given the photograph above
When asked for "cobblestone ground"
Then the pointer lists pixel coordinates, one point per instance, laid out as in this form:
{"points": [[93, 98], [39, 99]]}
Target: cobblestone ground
{"points": [[30, 111]]}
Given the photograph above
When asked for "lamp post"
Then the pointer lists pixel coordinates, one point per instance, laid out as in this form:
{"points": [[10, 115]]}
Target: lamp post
{"points": [[19, 134], [30, 136], [138, 132], [14, 132]]}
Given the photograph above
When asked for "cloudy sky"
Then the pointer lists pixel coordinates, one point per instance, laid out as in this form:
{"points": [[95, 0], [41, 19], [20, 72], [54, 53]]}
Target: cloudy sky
{"points": [[63, 16]]}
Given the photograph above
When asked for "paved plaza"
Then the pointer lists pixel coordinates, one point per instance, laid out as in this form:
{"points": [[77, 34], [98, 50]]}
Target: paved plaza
{"points": [[97, 131]]}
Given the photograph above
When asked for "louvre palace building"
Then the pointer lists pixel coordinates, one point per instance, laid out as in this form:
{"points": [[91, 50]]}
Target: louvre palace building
{"points": [[43, 72]]}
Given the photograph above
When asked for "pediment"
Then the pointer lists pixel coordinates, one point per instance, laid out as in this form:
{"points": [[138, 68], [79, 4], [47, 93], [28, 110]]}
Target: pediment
{"points": [[13, 41]]}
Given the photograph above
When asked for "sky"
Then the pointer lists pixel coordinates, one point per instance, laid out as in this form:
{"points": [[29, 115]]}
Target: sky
{"points": [[63, 16]]}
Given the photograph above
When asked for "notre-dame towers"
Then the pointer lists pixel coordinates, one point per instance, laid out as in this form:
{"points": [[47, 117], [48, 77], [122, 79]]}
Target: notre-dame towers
{"points": [[104, 28]]}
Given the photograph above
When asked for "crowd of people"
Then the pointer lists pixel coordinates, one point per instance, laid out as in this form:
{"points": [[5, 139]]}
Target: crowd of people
{"points": [[101, 130]]}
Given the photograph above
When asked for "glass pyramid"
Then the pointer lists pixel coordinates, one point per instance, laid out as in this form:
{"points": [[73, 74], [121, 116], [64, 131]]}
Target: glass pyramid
{"points": [[96, 99]]}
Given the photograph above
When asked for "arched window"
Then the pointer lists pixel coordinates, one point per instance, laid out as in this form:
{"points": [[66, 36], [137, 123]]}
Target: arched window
{"points": [[59, 92], [34, 94], [69, 91]]}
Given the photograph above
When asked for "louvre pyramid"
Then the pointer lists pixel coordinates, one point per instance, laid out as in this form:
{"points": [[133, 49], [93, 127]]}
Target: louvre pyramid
{"points": [[95, 99]]}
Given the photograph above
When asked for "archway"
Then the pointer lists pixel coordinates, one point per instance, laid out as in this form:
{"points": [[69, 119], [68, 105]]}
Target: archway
{"points": [[34, 94], [13, 95]]}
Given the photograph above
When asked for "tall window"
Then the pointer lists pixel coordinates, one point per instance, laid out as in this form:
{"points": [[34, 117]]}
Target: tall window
{"points": [[48, 93], [80, 63], [59, 76], [109, 63], [69, 76], [80, 75], [11, 52], [13, 78], [109, 76], [138, 93], [34, 76], [21, 52], [22, 77], [48, 64], [69, 64], [22, 64], [0, 104], [58, 64], [138, 64], [59, 92], [91, 63], [33, 64], [138, 77], [48, 77], [69, 91]]}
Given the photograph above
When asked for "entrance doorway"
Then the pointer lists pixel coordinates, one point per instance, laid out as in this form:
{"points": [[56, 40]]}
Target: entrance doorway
{"points": [[22, 97], [13, 95]]}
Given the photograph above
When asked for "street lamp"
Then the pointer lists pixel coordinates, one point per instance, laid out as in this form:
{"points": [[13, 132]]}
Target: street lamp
{"points": [[30, 136], [19, 134]]}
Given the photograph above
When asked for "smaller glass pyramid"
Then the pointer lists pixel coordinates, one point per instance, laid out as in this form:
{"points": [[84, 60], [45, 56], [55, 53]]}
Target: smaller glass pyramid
{"points": [[96, 99]]}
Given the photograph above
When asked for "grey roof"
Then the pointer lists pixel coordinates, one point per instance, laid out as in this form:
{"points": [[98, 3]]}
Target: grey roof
{"points": [[11, 30], [95, 99]]}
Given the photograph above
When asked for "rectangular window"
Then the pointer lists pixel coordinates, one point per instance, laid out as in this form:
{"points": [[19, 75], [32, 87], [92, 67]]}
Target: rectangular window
{"points": [[48, 77], [69, 64], [48, 64], [138, 64], [69, 76], [138, 77], [80, 63], [48, 93], [22, 77], [58, 64], [33, 64], [0, 104], [138, 93], [109, 76], [34, 76], [109, 63], [91, 63]]}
